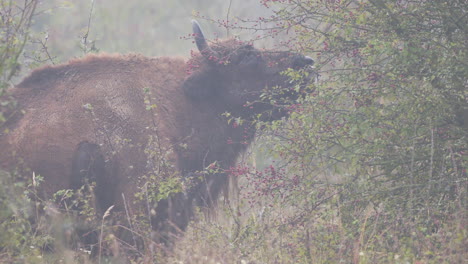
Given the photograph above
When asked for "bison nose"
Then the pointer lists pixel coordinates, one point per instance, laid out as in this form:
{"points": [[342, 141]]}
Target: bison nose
{"points": [[302, 61]]}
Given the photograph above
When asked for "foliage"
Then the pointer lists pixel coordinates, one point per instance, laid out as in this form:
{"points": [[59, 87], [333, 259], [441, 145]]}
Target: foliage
{"points": [[15, 22], [15, 32], [378, 147], [17, 234]]}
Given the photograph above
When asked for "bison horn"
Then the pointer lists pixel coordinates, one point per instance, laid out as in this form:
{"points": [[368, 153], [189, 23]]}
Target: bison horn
{"points": [[200, 40]]}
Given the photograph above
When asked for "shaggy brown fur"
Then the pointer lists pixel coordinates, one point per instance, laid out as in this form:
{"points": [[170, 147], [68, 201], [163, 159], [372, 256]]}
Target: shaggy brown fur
{"points": [[115, 118]]}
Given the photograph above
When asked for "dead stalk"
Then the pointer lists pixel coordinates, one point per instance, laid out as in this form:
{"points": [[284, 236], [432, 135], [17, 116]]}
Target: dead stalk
{"points": [[106, 214]]}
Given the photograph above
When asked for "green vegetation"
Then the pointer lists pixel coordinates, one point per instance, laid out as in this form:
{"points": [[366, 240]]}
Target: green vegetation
{"points": [[370, 167]]}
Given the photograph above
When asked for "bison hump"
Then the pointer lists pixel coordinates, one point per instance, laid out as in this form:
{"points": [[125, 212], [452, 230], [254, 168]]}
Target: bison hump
{"points": [[40, 77]]}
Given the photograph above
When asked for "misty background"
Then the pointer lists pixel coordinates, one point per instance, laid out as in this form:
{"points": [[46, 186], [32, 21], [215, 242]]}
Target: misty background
{"points": [[69, 29]]}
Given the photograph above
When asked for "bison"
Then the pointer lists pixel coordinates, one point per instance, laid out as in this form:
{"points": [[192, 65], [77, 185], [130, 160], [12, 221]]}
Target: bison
{"points": [[126, 121]]}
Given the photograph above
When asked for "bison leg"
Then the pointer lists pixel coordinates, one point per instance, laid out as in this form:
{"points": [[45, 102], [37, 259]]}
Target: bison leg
{"points": [[206, 193], [88, 165], [172, 217]]}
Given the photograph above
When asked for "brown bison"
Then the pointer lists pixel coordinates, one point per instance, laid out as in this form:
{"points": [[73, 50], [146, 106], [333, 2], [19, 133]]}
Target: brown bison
{"points": [[128, 121]]}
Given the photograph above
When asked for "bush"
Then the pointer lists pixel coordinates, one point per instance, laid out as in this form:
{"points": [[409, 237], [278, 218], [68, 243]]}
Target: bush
{"points": [[372, 162]]}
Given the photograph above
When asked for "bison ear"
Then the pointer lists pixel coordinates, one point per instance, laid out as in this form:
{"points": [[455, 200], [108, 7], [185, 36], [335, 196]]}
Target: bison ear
{"points": [[201, 86]]}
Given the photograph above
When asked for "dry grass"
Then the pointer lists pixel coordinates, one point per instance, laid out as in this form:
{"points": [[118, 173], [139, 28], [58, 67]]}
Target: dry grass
{"points": [[236, 232]]}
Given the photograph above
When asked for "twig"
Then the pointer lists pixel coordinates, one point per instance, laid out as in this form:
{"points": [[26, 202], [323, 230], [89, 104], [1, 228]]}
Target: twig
{"points": [[431, 168], [227, 18], [106, 214], [44, 47], [129, 220], [85, 36], [148, 204]]}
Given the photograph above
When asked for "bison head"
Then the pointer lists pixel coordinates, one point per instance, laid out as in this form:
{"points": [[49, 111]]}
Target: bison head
{"points": [[235, 74]]}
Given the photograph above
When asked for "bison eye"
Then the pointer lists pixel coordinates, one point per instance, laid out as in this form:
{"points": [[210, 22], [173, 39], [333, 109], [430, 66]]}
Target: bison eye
{"points": [[248, 47], [250, 59]]}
